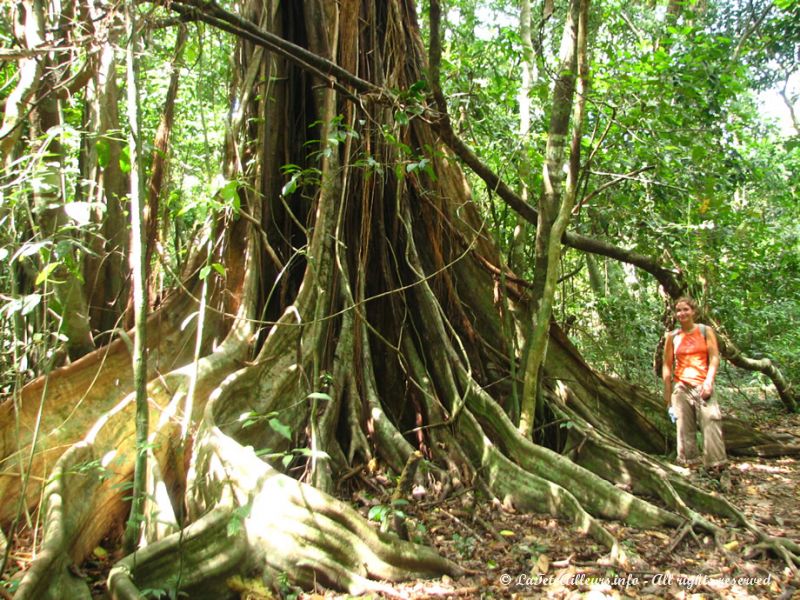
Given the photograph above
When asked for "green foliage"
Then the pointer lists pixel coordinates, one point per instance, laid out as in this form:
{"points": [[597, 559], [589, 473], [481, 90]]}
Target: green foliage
{"points": [[480, 78], [166, 593], [464, 546], [702, 181], [239, 514], [707, 185]]}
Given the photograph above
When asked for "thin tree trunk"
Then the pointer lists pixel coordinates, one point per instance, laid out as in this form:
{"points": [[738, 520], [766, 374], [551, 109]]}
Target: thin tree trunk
{"points": [[555, 207], [106, 188], [63, 268], [139, 272], [159, 163], [519, 240]]}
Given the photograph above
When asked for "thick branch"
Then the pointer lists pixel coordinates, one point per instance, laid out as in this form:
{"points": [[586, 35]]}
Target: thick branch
{"points": [[672, 281], [30, 72], [211, 13], [733, 355]]}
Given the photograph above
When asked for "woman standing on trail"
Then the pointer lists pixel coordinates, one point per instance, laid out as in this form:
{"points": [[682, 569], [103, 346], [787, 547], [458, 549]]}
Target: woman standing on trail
{"points": [[691, 360]]}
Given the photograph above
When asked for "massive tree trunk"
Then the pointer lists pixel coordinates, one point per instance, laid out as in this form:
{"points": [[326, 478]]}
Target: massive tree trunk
{"points": [[368, 325]]}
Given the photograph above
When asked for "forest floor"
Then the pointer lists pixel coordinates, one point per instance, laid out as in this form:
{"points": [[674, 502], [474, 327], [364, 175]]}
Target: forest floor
{"points": [[513, 555]]}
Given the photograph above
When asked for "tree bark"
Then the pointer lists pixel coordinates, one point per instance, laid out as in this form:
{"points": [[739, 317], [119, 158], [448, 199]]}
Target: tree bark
{"points": [[160, 158], [29, 29], [139, 270], [49, 199], [555, 205], [518, 243], [105, 188]]}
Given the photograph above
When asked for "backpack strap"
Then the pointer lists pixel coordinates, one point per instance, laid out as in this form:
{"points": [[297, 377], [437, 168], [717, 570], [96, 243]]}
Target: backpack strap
{"points": [[673, 336]]}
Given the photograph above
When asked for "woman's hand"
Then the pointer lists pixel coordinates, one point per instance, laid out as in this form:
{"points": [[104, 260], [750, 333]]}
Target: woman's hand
{"points": [[706, 390]]}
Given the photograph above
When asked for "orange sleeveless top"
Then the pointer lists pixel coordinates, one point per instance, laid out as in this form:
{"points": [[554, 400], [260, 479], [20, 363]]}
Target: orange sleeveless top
{"points": [[691, 357]]}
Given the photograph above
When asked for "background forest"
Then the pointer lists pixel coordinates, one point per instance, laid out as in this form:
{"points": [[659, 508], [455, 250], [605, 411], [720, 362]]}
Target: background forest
{"points": [[167, 168], [684, 162]]}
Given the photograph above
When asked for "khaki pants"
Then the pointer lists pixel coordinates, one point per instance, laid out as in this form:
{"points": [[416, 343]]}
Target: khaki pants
{"points": [[691, 410]]}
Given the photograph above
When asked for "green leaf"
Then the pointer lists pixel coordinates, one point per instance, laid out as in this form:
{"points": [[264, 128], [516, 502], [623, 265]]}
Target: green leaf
{"points": [[28, 303], [125, 160], [249, 416], [230, 191], [318, 454], [46, 272], [239, 514], [103, 149], [29, 249], [378, 513], [280, 428], [419, 86], [291, 186], [204, 272], [319, 396], [698, 153]]}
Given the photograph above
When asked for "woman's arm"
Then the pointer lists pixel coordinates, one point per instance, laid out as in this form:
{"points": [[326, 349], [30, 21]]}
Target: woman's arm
{"points": [[666, 369], [713, 363]]}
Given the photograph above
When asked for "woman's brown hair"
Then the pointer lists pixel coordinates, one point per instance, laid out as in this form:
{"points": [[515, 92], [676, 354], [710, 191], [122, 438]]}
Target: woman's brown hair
{"points": [[688, 300]]}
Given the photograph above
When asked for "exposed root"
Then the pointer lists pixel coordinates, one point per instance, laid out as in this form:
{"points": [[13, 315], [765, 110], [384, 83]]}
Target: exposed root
{"points": [[295, 529], [75, 396], [89, 480], [599, 496], [782, 548], [687, 529], [525, 491], [197, 560], [618, 462], [50, 576], [84, 497]]}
